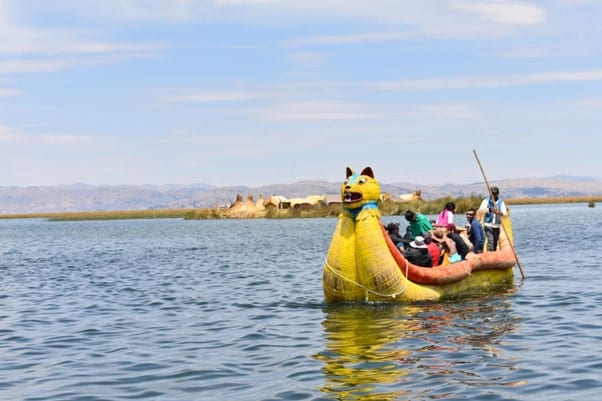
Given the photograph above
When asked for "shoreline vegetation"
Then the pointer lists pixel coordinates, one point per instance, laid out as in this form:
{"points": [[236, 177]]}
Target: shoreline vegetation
{"points": [[387, 208]]}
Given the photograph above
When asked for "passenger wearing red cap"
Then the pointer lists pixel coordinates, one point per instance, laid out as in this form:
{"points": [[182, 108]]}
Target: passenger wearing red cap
{"points": [[461, 245]]}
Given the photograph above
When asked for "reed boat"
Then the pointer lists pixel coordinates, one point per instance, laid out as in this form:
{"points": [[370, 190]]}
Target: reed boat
{"points": [[363, 264]]}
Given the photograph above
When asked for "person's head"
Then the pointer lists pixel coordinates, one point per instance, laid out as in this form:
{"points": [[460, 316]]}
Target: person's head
{"points": [[427, 238], [410, 216], [393, 228], [470, 214], [451, 206], [495, 191]]}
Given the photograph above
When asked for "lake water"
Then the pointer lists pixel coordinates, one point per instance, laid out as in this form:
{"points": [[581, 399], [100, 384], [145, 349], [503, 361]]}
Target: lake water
{"points": [[233, 310]]}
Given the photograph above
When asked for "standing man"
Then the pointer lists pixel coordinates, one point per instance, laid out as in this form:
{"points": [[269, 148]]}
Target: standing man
{"points": [[419, 224], [493, 210], [476, 235]]}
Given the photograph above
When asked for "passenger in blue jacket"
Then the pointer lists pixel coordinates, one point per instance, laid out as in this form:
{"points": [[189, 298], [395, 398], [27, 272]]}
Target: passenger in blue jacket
{"points": [[476, 235]]}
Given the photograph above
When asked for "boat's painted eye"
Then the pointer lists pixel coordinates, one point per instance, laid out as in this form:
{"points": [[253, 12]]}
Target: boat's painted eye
{"points": [[362, 180]]}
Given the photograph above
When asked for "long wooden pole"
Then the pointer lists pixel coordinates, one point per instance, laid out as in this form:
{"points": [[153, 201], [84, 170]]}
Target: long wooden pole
{"points": [[501, 223]]}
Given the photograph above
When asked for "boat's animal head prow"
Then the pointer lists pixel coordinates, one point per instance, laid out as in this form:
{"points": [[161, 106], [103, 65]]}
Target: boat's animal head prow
{"points": [[360, 190]]}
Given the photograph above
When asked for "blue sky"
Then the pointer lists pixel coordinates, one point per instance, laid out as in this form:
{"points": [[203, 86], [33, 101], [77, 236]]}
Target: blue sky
{"points": [[254, 92]]}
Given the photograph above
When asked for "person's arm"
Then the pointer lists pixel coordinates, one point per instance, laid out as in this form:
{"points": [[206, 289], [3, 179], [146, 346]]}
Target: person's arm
{"points": [[503, 210], [425, 227], [484, 208], [499, 212], [479, 237], [451, 245]]}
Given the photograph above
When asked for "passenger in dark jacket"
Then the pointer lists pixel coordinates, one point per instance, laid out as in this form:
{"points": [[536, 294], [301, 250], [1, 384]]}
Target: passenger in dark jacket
{"points": [[417, 253], [461, 246], [393, 230]]}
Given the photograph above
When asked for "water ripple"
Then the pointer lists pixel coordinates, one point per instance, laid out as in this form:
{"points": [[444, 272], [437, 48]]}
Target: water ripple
{"points": [[181, 310]]}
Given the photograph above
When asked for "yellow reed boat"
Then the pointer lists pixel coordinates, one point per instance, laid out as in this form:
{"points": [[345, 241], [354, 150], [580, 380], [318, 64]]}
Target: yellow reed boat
{"points": [[364, 265]]}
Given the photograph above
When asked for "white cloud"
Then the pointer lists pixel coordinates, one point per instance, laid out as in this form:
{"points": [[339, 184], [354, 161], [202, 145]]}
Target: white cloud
{"points": [[209, 96], [244, 2], [14, 136], [389, 12], [30, 49], [37, 65], [39, 42], [61, 139], [4, 92], [401, 20], [8, 136], [504, 12], [469, 20], [367, 37], [320, 110], [540, 52], [589, 103], [132, 10], [45, 64], [308, 59], [467, 82], [333, 110]]}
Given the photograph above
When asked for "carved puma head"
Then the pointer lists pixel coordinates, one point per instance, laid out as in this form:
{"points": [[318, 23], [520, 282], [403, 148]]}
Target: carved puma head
{"points": [[359, 189]]}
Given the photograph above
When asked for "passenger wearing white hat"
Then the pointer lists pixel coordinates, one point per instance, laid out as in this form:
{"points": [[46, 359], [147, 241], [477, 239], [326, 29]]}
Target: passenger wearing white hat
{"points": [[417, 253]]}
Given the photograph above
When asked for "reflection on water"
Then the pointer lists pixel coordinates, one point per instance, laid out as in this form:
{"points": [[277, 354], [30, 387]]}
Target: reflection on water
{"points": [[390, 352], [360, 354]]}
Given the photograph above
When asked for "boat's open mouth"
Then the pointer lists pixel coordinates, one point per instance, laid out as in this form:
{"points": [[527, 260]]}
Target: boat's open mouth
{"points": [[352, 197]]}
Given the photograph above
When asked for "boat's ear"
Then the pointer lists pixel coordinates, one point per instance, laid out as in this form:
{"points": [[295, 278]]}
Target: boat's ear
{"points": [[349, 172], [368, 171]]}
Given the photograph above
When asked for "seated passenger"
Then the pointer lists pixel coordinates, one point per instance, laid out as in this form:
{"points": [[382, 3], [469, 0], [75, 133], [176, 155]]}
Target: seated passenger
{"points": [[433, 248], [476, 235], [461, 245], [393, 230], [417, 253], [446, 216], [449, 253], [418, 223]]}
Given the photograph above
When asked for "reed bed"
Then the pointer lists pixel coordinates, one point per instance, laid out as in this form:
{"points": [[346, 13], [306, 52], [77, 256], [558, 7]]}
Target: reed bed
{"points": [[104, 215], [391, 208], [387, 208], [564, 199]]}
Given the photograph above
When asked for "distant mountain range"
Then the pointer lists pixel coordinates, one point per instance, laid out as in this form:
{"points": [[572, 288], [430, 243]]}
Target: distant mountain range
{"points": [[83, 197]]}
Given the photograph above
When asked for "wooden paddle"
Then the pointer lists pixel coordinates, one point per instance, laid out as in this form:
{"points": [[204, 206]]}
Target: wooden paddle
{"points": [[502, 223]]}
